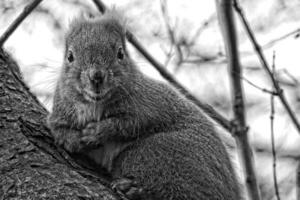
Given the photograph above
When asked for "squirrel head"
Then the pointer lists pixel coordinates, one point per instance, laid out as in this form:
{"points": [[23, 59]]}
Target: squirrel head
{"points": [[96, 61]]}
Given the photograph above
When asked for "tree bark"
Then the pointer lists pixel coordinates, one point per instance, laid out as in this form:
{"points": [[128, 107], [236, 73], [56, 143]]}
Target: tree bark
{"points": [[31, 166]]}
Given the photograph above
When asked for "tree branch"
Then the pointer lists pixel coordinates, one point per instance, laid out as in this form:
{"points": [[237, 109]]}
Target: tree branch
{"points": [[240, 130], [266, 65], [14, 25], [274, 41], [30, 161], [258, 87], [272, 137], [171, 31]]}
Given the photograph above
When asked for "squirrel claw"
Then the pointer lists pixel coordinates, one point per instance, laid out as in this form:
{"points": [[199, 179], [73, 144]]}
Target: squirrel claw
{"points": [[89, 141], [71, 144], [92, 135], [91, 128], [127, 188], [73, 148]]}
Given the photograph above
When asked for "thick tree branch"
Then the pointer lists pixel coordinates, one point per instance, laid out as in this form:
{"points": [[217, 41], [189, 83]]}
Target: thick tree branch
{"points": [[31, 165], [240, 130], [209, 110]]}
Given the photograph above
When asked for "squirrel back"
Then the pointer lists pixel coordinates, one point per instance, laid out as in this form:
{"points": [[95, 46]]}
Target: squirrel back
{"points": [[182, 156], [132, 125]]}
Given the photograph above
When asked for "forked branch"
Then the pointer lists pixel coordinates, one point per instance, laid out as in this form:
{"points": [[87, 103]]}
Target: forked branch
{"points": [[265, 65]]}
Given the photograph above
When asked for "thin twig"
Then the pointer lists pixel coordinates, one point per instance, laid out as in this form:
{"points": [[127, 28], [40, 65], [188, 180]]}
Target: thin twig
{"points": [[258, 87], [266, 65], [169, 56], [26, 11], [294, 79], [272, 137], [171, 32], [164, 73], [214, 59], [272, 42], [240, 130], [198, 32]]}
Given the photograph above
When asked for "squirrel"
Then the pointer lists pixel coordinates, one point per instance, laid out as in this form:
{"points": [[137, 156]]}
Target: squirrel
{"points": [[142, 131]]}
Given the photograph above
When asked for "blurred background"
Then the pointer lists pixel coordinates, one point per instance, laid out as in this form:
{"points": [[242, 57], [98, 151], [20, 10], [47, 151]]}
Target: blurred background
{"points": [[185, 37]]}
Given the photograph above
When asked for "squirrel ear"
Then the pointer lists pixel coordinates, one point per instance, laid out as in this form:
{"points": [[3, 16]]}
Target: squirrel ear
{"points": [[86, 15], [115, 21], [81, 18]]}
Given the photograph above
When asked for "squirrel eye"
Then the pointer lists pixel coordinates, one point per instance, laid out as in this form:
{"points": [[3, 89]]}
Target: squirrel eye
{"points": [[70, 56], [120, 54]]}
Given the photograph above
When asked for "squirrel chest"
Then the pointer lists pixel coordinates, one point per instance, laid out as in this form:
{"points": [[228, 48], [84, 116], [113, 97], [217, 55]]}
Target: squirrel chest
{"points": [[88, 112], [106, 153]]}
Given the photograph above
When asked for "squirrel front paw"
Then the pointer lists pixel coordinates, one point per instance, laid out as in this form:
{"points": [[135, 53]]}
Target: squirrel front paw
{"points": [[71, 144], [74, 147], [92, 128], [92, 134], [129, 189], [75, 141]]}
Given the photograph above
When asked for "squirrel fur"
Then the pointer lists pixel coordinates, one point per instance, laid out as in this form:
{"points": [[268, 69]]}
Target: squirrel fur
{"points": [[132, 125]]}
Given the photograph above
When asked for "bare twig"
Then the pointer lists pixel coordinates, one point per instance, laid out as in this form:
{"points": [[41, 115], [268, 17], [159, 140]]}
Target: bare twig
{"points": [[169, 55], [26, 11], [240, 130], [258, 87], [294, 79], [198, 32], [171, 32], [272, 42], [272, 137], [181, 44], [295, 33], [266, 65], [164, 73], [214, 59]]}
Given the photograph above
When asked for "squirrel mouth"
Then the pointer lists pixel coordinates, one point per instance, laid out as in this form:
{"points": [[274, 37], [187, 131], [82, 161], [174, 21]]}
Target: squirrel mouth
{"points": [[93, 96]]}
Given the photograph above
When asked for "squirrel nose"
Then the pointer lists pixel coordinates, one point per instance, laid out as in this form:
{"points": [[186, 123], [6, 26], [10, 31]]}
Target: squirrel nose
{"points": [[96, 77]]}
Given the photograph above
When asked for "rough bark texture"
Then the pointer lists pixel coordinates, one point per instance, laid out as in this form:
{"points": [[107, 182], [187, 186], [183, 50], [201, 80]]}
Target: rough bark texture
{"points": [[31, 166]]}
